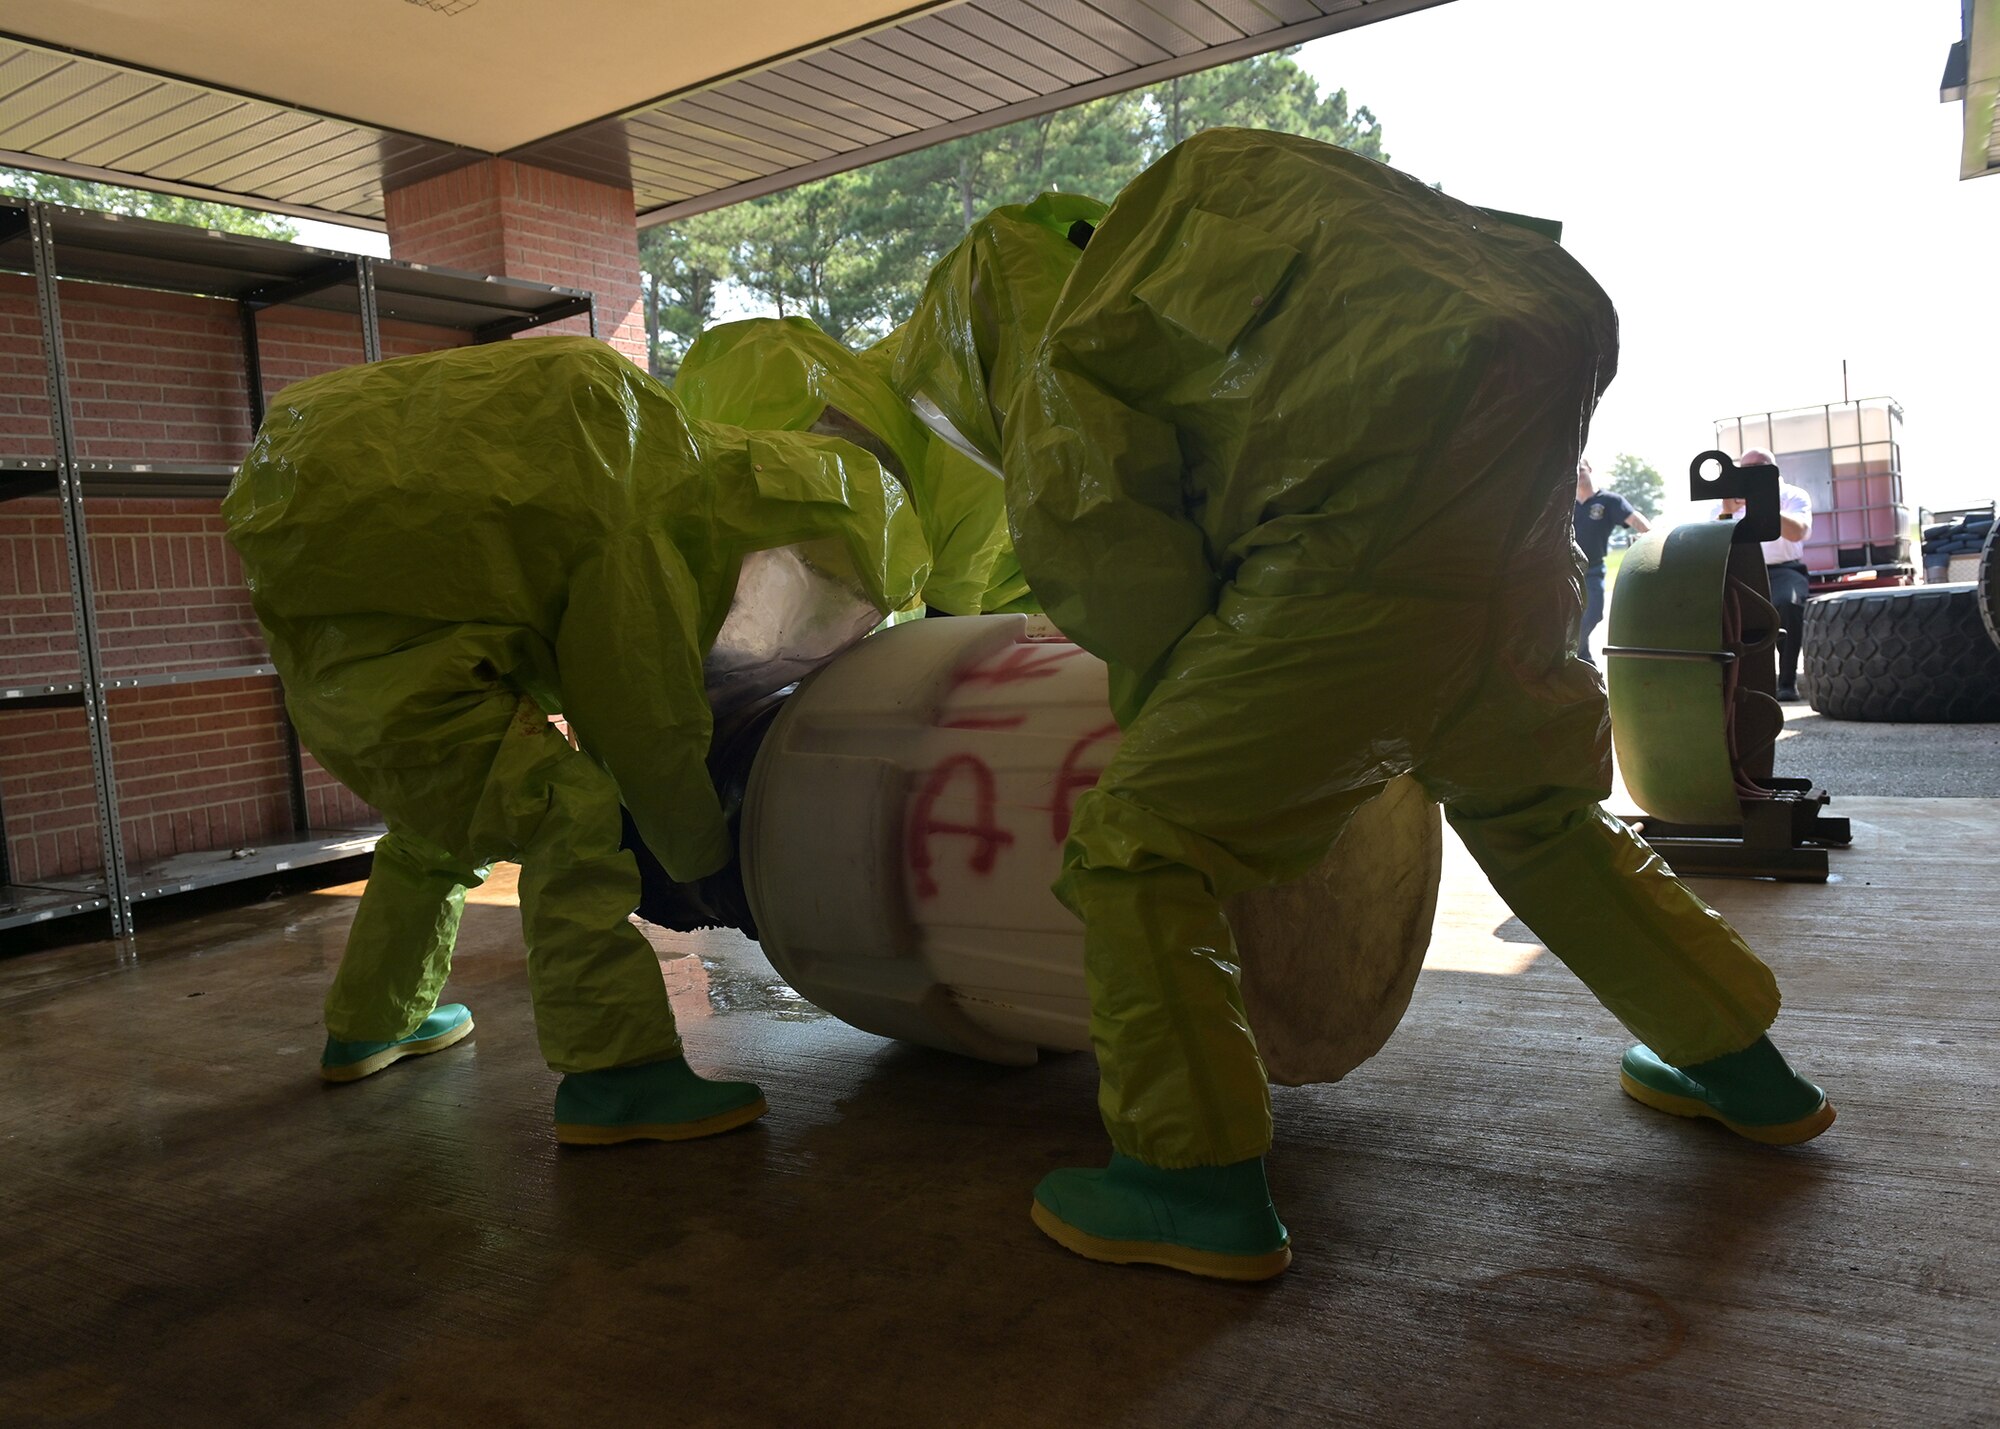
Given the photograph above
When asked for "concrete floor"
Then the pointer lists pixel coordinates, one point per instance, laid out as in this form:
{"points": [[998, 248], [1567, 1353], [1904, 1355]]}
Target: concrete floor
{"points": [[194, 1231], [1855, 757]]}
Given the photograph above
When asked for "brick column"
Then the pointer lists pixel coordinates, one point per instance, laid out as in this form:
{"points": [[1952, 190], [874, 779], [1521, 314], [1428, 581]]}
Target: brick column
{"points": [[510, 219]]}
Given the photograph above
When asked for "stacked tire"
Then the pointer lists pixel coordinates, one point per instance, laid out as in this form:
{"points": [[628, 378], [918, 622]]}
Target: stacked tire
{"points": [[1989, 584], [1916, 654]]}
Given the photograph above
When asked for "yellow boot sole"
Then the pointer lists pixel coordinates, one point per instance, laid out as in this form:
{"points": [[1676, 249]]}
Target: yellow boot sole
{"points": [[369, 1066], [1786, 1133], [1214, 1264], [580, 1134]]}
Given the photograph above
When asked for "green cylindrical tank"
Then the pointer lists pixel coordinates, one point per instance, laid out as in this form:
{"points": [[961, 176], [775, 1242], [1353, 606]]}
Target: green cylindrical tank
{"points": [[1694, 713]]}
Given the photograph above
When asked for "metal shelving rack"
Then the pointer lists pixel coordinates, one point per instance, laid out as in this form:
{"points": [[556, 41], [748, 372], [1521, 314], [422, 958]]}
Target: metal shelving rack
{"points": [[54, 245]]}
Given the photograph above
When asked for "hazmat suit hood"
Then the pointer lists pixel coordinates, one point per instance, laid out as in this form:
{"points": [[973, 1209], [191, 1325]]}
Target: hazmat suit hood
{"points": [[1273, 345], [786, 374], [971, 341]]}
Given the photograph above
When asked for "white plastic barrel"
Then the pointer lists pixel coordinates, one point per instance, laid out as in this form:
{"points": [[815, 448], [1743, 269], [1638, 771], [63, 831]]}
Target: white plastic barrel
{"points": [[905, 819]]}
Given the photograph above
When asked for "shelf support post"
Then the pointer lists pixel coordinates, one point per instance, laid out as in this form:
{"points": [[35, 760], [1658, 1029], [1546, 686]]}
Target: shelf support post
{"points": [[83, 607], [371, 319]]}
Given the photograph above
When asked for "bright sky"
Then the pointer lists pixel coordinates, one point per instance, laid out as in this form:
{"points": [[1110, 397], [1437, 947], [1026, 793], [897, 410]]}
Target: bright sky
{"points": [[1764, 187], [341, 238]]}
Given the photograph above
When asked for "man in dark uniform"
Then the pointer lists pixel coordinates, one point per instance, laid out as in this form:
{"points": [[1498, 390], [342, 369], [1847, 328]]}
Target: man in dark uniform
{"points": [[1596, 513]]}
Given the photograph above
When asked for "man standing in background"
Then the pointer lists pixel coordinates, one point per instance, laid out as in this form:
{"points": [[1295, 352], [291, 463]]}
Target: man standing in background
{"points": [[1784, 563], [1596, 513]]}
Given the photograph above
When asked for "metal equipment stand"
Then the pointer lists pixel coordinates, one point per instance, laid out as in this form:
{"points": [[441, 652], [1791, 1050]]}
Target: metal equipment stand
{"points": [[1780, 831], [1783, 837]]}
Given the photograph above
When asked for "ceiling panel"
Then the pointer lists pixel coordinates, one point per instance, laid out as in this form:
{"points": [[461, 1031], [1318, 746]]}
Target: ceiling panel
{"points": [[956, 34], [840, 115], [871, 91], [677, 146], [1207, 27], [88, 118], [1087, 33], [861, 74], [983, 83], [490, 75], [915, 73], [739, 110], [134, 130], [919, 75], [968, 67], [67, 95]]}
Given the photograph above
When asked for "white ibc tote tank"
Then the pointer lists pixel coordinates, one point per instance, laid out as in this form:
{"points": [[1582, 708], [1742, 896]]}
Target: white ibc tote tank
{"points": [[905, 818]]}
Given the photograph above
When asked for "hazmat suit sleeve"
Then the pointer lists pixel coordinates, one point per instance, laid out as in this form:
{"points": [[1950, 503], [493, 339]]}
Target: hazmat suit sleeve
{"points": [[831, 487], [971, 341], [784, 374], [1099, 465], [629, 645], [1102, 532]]}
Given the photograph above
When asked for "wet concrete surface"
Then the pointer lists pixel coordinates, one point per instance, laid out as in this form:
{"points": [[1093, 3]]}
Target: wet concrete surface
{"points": [[194, 1231]]}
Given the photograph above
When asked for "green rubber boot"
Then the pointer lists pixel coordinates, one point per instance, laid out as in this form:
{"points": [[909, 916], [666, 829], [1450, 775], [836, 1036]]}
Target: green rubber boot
{"points": [[654, 1101], [351, 1061], [1207, 1220], [1754, 1093]]}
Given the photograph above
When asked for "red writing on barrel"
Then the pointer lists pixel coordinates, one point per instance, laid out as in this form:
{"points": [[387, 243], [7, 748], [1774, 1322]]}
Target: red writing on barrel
{"points": [[988, 837], [1072, 778], [992, 721], [1020, 662]]}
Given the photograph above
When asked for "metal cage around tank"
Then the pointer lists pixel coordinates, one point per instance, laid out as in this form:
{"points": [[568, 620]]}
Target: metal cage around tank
{"points": [[1848, 457]]}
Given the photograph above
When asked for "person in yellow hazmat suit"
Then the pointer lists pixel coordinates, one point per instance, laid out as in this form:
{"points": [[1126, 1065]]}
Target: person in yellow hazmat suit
{"points": [[444, 551], [1294, 454], [786, 374]]}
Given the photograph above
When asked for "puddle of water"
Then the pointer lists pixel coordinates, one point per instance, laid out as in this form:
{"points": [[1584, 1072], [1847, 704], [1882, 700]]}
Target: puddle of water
{"points": [[718, 971], [735, 989]]}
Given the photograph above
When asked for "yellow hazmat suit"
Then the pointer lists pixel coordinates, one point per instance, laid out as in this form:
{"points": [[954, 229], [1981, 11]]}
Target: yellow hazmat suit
{"points": [[973, 338], [1296, 456], [784, 374], [988, 298], [445, 550]]}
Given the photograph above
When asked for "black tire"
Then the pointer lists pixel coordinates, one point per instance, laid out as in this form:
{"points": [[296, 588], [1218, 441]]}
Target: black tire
{"points": [[1919, 654], [1989, 584]]}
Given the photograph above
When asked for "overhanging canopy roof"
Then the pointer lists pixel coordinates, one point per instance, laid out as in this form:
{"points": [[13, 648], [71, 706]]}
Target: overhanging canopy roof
{"points": [[1972, 75], [314, 109]]}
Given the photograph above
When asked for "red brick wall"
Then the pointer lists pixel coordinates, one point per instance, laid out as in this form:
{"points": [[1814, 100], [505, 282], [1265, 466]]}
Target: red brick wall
{"points": [[24, 402], [452, 221], [46, 790], [37, 637], [161, 375], [299, 343], [199, 767], [498, 216], [152, 376], [170, 590]]}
